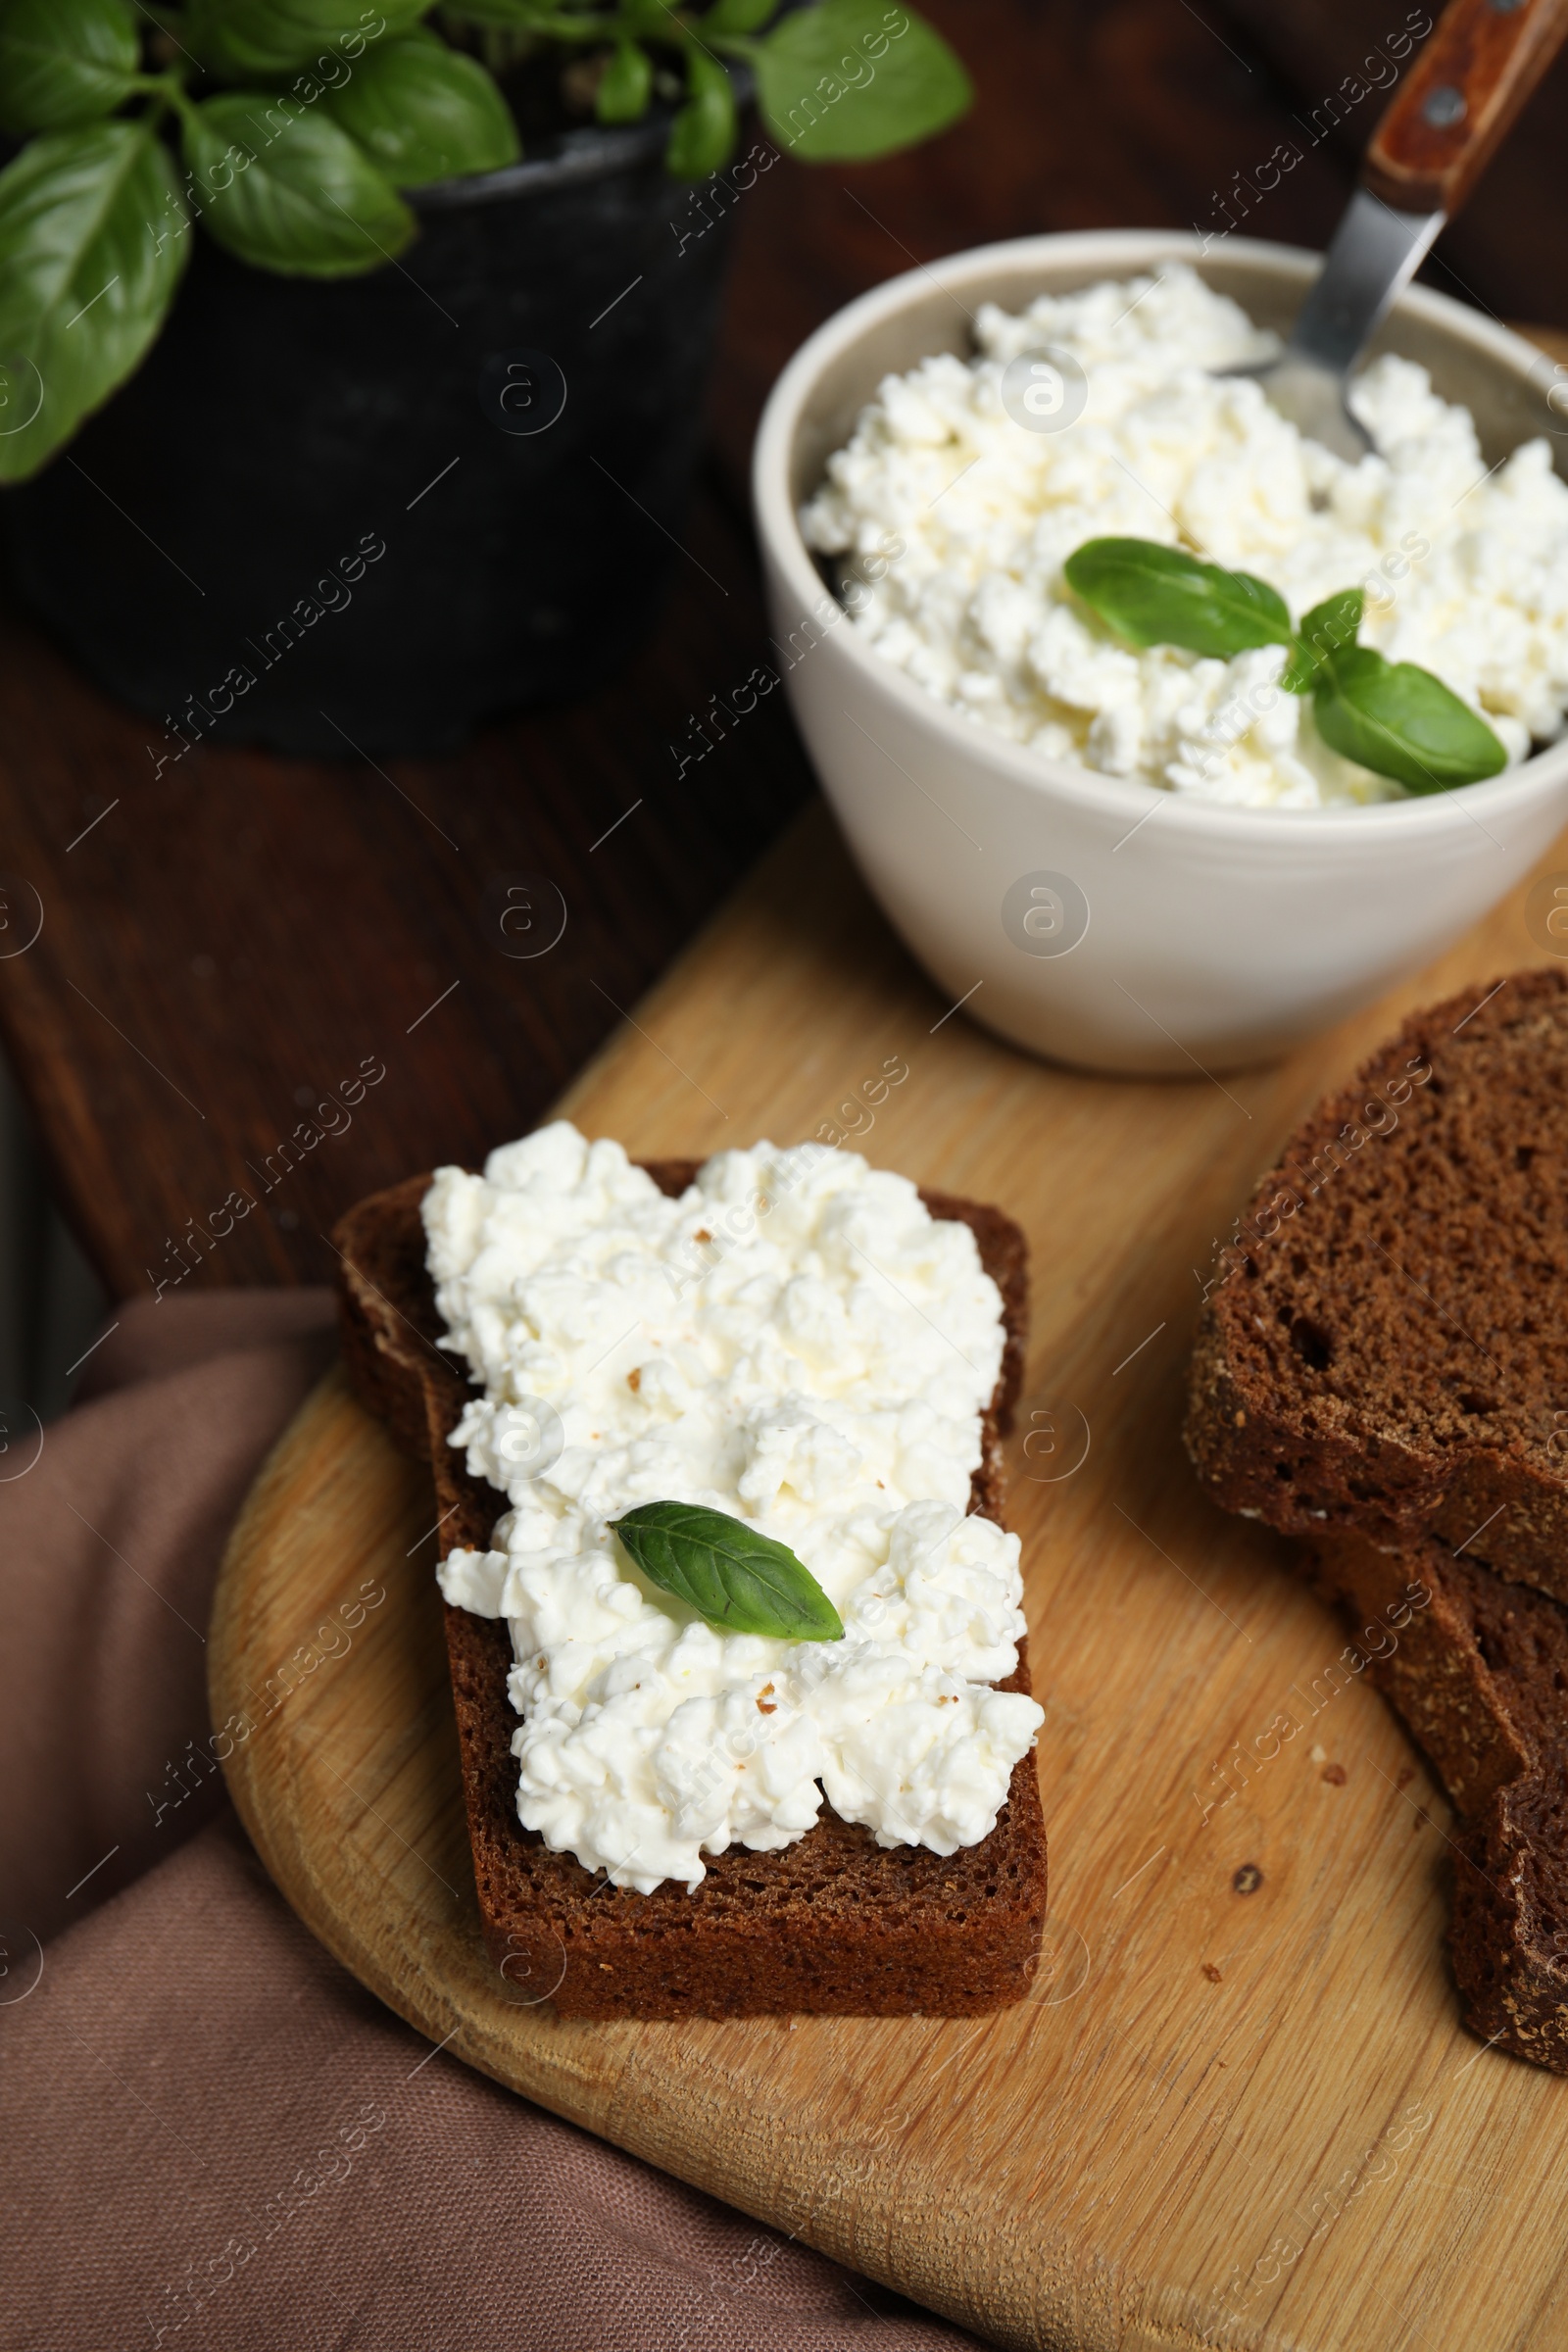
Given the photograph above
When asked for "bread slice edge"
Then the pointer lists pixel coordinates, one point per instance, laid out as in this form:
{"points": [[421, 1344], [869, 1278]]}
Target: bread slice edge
{"points": [[1471, 1669], [1255, 1454]]}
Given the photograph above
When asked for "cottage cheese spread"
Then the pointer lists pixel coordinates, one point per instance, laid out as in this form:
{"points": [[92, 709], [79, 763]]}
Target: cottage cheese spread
{"points": [[956, 522], [796, 1343]]}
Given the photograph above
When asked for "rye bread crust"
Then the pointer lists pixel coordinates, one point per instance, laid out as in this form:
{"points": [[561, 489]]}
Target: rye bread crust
{"points": [[1379, 1367], [1379, 1350], [1479, 1671], [834, 1923]]}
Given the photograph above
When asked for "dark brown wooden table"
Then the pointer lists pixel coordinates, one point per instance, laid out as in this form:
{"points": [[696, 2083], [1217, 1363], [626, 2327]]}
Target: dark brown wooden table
{"points": [[224, 950]]}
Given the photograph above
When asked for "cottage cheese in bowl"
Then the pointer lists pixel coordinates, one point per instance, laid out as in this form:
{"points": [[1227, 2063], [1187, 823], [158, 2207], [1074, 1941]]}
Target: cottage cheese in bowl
{"points": [[986, 745], [949, 522], [796, 1343]]}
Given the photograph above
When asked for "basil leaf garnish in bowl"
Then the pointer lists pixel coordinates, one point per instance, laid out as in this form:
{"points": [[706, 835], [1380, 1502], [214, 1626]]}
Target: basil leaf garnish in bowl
{"points": [[1152, 593], [1394, 718], [1324, 631], [1399, 719], [738, 1579]]}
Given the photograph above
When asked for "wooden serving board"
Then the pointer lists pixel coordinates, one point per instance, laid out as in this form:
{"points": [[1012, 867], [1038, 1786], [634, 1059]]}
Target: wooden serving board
{"points": [[1239, 2107]]}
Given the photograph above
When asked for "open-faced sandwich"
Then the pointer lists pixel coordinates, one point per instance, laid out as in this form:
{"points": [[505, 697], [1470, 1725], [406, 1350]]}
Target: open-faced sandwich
{"points": [[735, 1629]]}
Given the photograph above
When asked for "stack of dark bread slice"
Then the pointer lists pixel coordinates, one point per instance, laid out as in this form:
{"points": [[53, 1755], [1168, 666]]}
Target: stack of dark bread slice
{"points": [[835, 1923], [1381, 1368]]}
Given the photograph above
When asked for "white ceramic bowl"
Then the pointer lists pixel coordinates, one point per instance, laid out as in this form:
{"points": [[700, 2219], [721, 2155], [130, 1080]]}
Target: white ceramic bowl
{"points": [[1214, 934]]}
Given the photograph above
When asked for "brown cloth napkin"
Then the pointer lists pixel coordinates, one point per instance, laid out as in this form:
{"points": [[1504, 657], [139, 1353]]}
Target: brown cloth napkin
{"points": [[211, 2137]]}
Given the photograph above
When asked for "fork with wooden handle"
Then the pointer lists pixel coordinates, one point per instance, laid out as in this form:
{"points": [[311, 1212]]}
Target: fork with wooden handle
{"points": [[1459, 100]]}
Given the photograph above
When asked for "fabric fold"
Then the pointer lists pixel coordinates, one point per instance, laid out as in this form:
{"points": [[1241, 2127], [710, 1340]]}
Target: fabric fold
{"points": [[213, 2136]]}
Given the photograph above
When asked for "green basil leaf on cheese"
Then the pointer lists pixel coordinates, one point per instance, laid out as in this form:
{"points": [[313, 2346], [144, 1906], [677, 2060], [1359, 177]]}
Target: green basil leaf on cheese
{"points": [[1400, 720], [840, 82], [424, 112], [93, 238], [287, 190], [1327, 629], [65, 61], [1152, 593], [738, 1579]]}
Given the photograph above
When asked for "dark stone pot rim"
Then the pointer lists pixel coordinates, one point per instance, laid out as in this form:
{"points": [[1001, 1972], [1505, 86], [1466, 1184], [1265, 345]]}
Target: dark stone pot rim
{"points": [[593, 154], [584, 155]]}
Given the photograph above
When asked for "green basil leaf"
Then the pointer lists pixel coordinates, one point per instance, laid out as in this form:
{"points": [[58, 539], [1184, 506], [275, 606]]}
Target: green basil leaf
{"points": [[651, 20], [625, 85], [738, 16], [702, 134], [1400, 720], [65, 61], [255, 39], [855, 78], [286, 190], [1327, 629], [421, 112], [92, 243], [1157, 595], [737, 1578], [514, 15]]}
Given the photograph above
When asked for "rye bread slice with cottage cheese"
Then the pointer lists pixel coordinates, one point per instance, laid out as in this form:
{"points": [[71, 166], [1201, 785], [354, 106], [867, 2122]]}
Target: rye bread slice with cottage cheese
{"points": [[1380, 1366], [832, 1924], [1384, 1348]]}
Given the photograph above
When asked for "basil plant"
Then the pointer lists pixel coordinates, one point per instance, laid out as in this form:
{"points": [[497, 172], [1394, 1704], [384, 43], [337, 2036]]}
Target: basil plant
{"points": [[288, 128]]}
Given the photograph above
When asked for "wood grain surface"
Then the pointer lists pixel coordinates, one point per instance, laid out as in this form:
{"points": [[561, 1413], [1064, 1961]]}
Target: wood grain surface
{"points": [[222, 944], [1239, 2107]]}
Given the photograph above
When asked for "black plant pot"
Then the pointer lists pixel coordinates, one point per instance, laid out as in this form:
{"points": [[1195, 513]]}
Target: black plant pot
{"points": [[353, 495]]}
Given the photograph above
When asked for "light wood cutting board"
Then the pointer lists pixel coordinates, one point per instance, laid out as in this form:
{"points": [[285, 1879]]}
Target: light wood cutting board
{"points": [[1239, 2107]]}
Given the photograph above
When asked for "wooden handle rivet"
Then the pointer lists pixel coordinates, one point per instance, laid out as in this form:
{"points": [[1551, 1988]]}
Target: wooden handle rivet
{"points": [[1445, 106]]}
